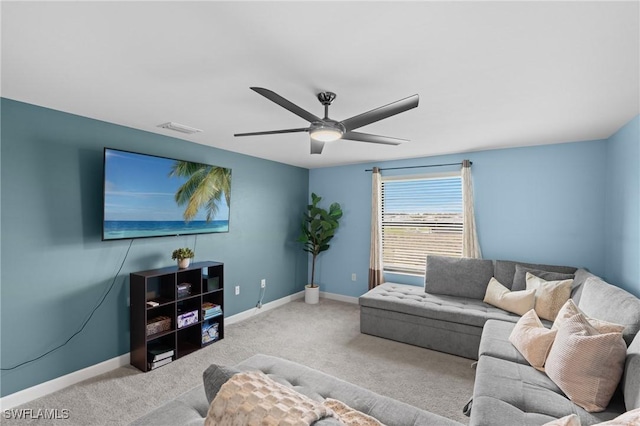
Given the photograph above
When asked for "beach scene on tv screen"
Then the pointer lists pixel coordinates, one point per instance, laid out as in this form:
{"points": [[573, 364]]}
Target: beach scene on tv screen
{"points": [[147, 196]]}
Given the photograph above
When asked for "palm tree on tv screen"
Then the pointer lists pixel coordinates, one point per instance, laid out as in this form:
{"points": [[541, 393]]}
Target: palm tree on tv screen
{"points": [[204, 187]]}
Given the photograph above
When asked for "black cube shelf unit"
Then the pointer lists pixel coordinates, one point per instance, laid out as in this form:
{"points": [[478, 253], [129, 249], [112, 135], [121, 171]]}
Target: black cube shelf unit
{"points": [[176, 321]]}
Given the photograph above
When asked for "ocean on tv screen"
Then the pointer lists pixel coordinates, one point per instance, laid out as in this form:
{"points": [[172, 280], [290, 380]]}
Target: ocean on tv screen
{"points": [[123, 229]]}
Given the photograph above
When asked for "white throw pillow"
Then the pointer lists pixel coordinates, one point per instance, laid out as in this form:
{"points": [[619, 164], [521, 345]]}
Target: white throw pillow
{"points": [[570, 420], [550, 295], [518, 302], [586, 364], [570, 309], [629, 418], [532, 339]]}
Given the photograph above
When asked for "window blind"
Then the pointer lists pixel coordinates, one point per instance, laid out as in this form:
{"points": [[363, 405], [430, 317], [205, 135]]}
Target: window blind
{"points": [[420, 216]]}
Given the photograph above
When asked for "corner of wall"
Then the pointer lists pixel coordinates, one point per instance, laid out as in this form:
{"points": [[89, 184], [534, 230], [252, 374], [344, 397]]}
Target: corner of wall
{"points": [[622, 207]]}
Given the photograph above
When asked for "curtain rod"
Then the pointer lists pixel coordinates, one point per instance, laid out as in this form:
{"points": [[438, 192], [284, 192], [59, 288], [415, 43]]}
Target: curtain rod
{"points": [[416, 167]]}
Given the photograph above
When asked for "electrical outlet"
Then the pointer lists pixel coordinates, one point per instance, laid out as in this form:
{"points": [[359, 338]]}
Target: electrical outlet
{"points": [[263, 283], [353, 277], [237, 290]]}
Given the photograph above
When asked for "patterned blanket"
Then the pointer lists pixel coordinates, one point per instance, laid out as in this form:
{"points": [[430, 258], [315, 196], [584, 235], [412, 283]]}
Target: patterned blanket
{"points": [[252, 398]]}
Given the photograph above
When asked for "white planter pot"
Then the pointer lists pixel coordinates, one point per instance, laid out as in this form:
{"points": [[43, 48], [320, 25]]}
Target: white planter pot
{"points": [[311, 294], [184, 263]]}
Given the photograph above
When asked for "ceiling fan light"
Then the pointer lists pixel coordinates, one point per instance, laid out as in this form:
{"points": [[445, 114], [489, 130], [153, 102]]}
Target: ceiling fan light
{"points": [[326, 135]]}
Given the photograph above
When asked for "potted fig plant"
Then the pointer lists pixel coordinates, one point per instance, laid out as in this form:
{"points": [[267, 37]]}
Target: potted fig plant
{"points": [[183, 256], [318, 228]]}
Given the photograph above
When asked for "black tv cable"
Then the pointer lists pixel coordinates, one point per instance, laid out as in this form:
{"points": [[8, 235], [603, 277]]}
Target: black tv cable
{"points": [[85, 322]]}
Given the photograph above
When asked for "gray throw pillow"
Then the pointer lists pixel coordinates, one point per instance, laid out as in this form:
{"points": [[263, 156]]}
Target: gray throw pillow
{"points": [[582, 275], [214, 377], [520, 277], [506, 269], [453, 276]]}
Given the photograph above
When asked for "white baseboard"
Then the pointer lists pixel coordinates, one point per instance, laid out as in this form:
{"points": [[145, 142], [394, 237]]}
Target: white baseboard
{"points": [[339, 297], [249, 313], [38, 391]]}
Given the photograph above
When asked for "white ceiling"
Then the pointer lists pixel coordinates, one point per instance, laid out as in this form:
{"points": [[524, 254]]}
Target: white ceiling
{"points": [[489, 74]]}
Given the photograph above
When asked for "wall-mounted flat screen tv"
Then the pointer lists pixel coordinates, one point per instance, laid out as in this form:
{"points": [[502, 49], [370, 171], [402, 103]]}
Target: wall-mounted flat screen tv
{"points": [[149, 196]]}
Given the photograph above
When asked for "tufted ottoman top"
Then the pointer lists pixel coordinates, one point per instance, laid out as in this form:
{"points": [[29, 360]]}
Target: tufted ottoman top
{"points": [[413, 300]]}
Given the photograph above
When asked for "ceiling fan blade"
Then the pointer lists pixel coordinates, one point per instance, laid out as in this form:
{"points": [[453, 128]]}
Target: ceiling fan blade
{"points": [[273, 132], [380, 113], [316, 146], [274, 97], [366, 137]]}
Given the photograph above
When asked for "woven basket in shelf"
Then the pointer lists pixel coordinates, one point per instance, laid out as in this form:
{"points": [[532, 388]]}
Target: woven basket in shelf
{"points": [[158, 325]]}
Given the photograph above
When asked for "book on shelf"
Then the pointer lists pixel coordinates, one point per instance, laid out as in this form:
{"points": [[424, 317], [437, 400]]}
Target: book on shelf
{"points": [[210, 310], [211, 315], [154, 365], [159, 353], [208, 305]]}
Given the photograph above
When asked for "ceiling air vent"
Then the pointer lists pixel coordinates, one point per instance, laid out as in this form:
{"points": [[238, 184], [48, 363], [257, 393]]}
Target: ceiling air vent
{"points": [[179, 128]]}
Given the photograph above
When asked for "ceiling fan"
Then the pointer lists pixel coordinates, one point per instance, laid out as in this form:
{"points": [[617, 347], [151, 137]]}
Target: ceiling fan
{"points": [[325, 129]]}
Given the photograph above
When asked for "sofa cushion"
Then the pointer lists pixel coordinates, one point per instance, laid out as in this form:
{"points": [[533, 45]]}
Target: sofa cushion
{"points": [[550, 295], [631, 376], [518, 302], [495, 342], [532, 339], [506, 391], [570, 309], [520, 277], [462, 277], [413, 300], [189, 409], [505, 270], [491, 411], [586, 364], [610, 303]]}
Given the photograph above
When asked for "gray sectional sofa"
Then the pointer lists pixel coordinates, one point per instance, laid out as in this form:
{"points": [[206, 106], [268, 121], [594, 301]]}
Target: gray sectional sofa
{"points": [[449, 315]]}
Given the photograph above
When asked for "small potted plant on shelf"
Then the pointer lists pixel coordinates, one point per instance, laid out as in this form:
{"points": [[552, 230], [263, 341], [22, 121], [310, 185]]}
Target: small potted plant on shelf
{"points": [[318, 228], [183, 256]]}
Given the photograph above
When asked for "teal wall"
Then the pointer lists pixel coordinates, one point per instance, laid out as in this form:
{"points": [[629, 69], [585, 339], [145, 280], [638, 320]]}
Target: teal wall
{"points": [[55, 268], [541, 204], [622, 254]]}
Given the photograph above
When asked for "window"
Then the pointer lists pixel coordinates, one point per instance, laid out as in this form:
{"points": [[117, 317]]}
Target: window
{"points": [[420, 215]]}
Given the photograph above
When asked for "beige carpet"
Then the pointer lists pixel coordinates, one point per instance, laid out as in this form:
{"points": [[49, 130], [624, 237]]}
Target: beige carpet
{"points": [[324, 336]]}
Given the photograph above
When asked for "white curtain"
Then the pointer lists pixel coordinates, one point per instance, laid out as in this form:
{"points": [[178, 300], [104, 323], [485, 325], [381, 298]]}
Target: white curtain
{"points": [[470, 246], [376, 276]]}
